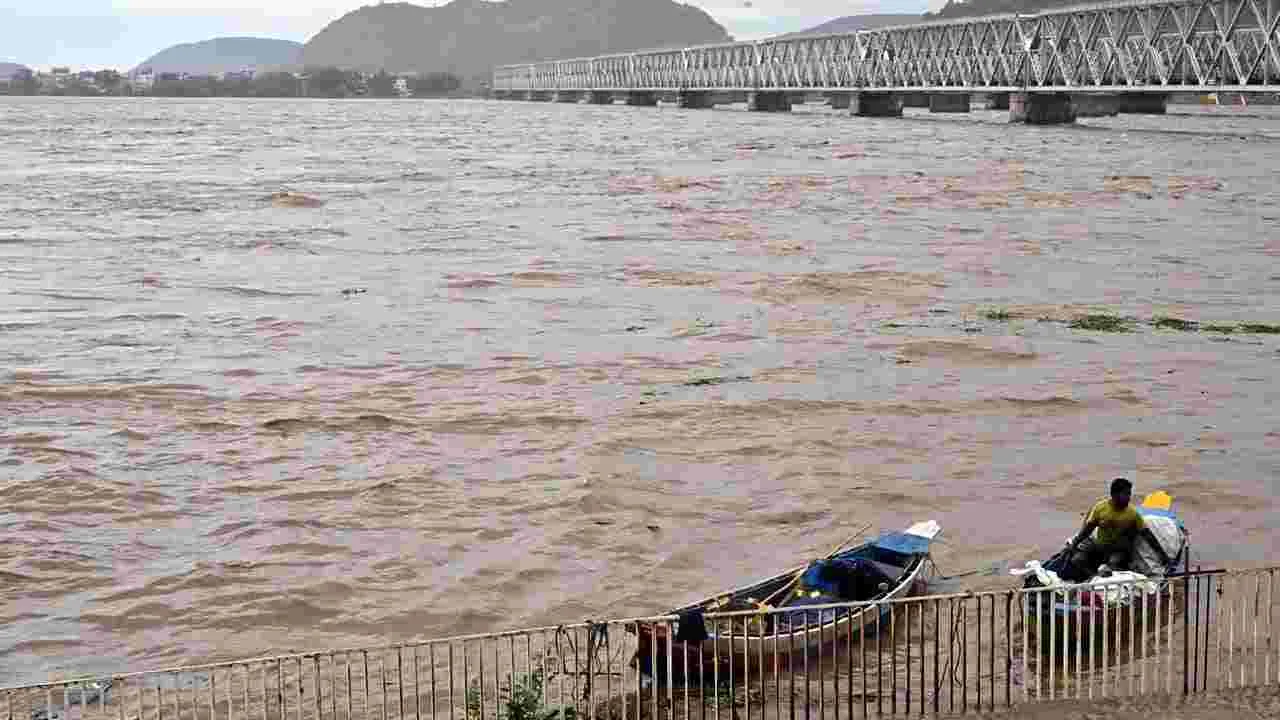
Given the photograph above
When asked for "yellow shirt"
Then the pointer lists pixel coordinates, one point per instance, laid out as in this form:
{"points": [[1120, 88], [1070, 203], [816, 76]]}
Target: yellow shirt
{"points": [[1114, 524]]}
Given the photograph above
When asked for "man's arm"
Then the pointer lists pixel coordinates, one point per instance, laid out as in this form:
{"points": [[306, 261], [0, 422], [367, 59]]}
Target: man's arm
{"points": [[1085, 531]]}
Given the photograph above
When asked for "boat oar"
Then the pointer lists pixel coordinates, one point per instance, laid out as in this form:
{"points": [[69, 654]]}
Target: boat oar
{"points": [[800, 572]]}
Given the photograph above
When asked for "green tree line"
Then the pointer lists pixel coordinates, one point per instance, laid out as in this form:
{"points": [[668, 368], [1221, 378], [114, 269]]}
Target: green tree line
{"points": [[320, 82]]}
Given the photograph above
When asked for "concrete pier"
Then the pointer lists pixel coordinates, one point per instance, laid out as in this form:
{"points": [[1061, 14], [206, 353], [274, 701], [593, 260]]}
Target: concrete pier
{"points": [[1146, 103], [877, 104], [1041, 108], [539, 95], [600, 98], [1095, 105], [949, 102], [641, 98], [915, 99], [769, 102], [696, 99], [840, 101], [568, 96], [998, 101]]}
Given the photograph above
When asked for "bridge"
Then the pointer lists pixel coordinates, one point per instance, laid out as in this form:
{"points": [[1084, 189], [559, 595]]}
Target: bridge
{"points": [[1047, 67]]}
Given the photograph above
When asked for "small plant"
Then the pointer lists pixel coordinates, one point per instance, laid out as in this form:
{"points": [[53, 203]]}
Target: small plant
{"points": [[1101, 323], [1260, 328], [520, 699], [1173, 323]]}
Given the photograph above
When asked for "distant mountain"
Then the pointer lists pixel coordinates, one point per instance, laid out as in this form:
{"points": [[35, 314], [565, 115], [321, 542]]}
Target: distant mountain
{"points": [[8, 70], [971, 8], [225, 54], [469, 37], [852, 23]]}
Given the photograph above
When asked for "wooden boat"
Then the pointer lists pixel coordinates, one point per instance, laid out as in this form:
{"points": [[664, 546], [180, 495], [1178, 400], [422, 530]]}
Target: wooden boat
{"points": [[888, 567], [1095, 604]]}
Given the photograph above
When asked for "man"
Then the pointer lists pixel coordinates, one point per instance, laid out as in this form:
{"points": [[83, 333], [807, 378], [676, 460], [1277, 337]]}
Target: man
{"points": [[1118, 525]]}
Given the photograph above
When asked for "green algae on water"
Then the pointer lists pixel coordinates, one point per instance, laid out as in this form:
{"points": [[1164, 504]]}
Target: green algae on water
{"points": [[997, 315], [1213, 328], [1173, 323], [1260, 328], [1100, 322]]}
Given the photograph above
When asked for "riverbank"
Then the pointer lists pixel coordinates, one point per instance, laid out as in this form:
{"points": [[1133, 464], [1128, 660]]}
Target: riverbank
{"points": [[1240, 704]]}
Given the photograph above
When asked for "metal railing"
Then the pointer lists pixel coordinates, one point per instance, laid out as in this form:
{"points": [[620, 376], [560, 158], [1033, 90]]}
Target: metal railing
{"points": [[921, 656]]}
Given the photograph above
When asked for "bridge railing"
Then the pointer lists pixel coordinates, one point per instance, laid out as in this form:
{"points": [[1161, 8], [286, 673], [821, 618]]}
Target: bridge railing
{"points": [[1175, 44], [928, 655]]}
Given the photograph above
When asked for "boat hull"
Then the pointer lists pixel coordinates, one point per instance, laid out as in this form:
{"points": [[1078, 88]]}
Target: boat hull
{"points": [[748, 649]]}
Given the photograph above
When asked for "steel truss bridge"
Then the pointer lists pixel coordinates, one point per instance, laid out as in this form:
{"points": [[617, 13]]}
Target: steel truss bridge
{"points": [[1158, 47]]}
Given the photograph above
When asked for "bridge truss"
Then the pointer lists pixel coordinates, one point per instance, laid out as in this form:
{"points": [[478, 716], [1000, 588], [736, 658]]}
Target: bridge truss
{"points": [[1147, 46]]}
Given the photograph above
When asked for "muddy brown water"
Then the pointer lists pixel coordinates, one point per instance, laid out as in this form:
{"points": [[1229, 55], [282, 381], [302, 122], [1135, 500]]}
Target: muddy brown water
{"points": [[593, 361]]}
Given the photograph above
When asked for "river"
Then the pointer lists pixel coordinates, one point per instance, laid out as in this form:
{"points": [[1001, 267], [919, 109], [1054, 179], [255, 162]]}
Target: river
{"points": [[534, 363]]}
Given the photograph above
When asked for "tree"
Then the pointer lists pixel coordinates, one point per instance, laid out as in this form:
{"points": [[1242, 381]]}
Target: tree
{"points": [[382, 85], [327, 82], [435, 83], [108, 80], [276, 84]]}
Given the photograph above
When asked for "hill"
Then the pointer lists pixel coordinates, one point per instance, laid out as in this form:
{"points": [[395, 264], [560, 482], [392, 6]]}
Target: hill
{"points": [[972, 8], [225, 54], [851, 23], [469, 37], [8, 69]]}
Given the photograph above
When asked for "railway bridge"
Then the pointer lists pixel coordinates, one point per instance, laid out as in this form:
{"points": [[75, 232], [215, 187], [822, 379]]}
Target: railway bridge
{"points": [[1045, 68]]}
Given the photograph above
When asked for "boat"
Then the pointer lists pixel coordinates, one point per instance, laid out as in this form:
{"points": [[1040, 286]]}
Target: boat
{"points": [[888, 567], [1106, 600]]}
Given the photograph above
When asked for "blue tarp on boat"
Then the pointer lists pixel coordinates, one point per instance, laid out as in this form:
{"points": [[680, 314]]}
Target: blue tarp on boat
{"points": [[902, 542]]}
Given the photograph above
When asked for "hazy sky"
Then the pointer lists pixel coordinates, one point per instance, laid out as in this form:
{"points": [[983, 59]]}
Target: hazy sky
{"points": [[122, 33]]}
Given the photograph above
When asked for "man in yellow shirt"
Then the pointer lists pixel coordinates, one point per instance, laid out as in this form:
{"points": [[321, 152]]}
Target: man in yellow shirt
{"points": [[1118, 524]]}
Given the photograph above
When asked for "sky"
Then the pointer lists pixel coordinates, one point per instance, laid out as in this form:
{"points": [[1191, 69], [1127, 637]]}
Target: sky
{"points": [[119, 34]]}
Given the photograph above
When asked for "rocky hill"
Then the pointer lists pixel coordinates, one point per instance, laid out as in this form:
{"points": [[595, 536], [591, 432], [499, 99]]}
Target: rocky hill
{"points": [[8, 70], [225, 54], [851, 23], [468, 37], [971, 8]]}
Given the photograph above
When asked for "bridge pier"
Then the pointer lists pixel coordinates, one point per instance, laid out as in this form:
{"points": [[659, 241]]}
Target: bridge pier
{"points": [[839, 101], [1095, 105], [596, 97], [876, 104], [642, 98], [696, 99], [1041, 108], [916, 100], [568, 96], [949, 102], [1146, 103], [538, 95], [998, 101], [769, 102]]}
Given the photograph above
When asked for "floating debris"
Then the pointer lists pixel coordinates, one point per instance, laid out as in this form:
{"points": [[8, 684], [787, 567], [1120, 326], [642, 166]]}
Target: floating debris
{"points": [[285, 198], [1101, 323], [1173, 323], [1260, 328]]}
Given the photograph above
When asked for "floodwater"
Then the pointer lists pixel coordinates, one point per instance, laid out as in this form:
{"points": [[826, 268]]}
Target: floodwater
{"points": [[536, 363]]}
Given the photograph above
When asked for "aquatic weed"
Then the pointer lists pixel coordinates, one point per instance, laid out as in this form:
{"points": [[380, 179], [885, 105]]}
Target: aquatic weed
{"points": [[1261, 328], [1101, 322], [1215, 328], [1174, 323], [997, 315]]}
